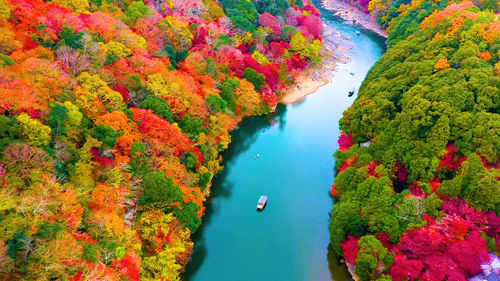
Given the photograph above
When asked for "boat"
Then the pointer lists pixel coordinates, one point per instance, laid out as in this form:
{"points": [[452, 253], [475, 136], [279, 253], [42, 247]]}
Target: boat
{"points": [[262, 202], [358, 33], [256, 156], [351, 93]]}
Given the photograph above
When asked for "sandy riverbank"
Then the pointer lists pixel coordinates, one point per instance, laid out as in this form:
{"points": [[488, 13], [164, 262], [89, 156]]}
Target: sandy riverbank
{"points": [[305, 88], [321, 74], [353, 15]]}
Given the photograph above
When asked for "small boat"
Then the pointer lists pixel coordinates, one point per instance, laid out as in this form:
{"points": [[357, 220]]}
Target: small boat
{"points": [[256, 156], [262, 202], [351, 93], [358, 33]]}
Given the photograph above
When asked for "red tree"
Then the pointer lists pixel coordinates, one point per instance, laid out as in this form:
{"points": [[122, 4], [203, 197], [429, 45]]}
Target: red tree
{"points": [[268, 20], [350, 248]]}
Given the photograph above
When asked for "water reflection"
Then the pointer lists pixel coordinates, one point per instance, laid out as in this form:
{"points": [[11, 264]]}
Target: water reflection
{"points": [[242, 139], [338, 270], [295, 170]]}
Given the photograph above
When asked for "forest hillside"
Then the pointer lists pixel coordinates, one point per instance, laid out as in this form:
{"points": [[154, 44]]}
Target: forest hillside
{"points": [[112, 117], [418, 168]]}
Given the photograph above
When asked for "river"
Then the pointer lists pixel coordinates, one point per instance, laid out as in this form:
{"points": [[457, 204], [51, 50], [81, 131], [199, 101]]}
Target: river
{"points": [[289, 240]]}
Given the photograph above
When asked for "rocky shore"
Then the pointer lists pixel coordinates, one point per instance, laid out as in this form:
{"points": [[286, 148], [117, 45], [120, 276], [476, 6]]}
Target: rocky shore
{"points": [[352, 15], [320, 74]]}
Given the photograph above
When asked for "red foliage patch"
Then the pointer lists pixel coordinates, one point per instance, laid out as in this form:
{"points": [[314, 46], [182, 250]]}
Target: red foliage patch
{"points": [[495, 165], [345, 142], [405, 269], [350, 248], [461, 209], [435, 183], [268, 20], [371, 169], [451, 161], [277, 49], [401, 172], [77, 277], [447, 250], [349, 162], [384, 239], [269, 97], [416, 190], [102, 161], [334, 192], [122, 90], [163, 133], [129, 266]]}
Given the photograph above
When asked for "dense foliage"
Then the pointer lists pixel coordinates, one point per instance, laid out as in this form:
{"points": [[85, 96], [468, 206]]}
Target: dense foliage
{"points": [[112, 117], [418, 165]]}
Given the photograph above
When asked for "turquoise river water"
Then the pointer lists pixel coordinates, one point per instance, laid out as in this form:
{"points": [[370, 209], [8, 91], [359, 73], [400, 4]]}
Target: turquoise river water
{"points": [[289, 240]]}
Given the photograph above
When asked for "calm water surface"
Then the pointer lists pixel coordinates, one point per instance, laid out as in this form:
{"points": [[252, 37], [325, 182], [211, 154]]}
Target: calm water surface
{"points": [[289, 240]]}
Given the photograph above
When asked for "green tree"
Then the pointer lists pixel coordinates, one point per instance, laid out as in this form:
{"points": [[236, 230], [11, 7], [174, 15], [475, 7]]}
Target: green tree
{"points": [[187, 215], [345, 209], [216, 104], [190, 160], [256, 78], [9, 131], [137, 10], [175, 56], [373, 258], [159, 106], [91, 252], [49, 231], [57, 117], [69, 38], [467, 49], [107, 135], [484, 193], [204, 179], [140, 159], [432, 205], [227, 91], [159, 190], [242, 23], [192, 126]]}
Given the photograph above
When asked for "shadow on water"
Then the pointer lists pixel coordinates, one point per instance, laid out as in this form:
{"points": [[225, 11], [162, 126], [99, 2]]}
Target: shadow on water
{"points": [[242, 138], [248, 133], [338, 270], [249, 130]]}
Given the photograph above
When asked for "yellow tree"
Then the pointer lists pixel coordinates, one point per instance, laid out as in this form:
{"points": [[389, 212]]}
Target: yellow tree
{"points": [[248, 101], [33, 131], [97, 90], [79, 6]]}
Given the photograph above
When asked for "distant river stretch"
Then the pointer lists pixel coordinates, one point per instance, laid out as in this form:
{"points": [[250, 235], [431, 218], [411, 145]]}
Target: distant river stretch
{"points": [[289, 240]]}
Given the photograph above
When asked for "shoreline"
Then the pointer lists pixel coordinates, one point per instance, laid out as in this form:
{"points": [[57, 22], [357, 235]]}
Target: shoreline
{"points": [[334, 47], [308, 86], [321, 74], [353, 16]]}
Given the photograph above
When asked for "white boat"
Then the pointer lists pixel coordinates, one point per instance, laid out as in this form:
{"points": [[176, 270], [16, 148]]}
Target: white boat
{"points": [[262, 202]]}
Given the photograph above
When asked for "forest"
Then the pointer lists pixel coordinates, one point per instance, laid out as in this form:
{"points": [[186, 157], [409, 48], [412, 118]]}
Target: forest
{"points": [[418, 166], [113, 114]]}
